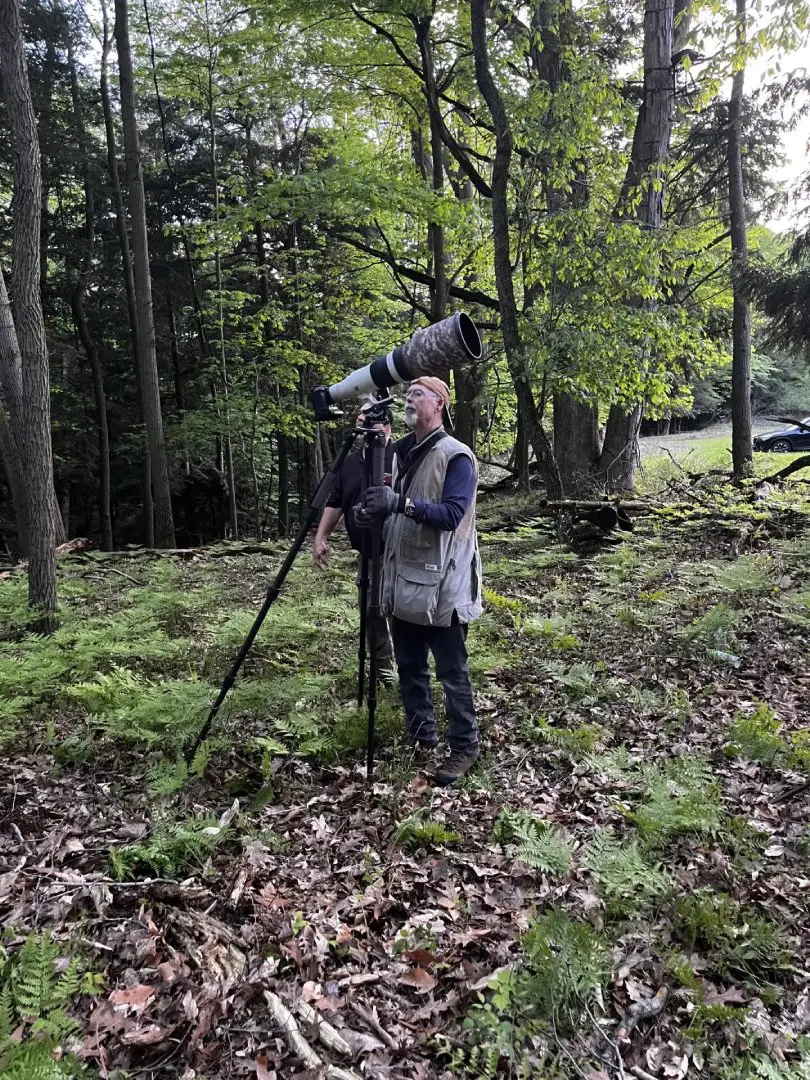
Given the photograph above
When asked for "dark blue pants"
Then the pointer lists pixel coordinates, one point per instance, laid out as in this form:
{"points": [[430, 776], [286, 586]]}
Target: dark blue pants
{"points": [[412, 644]]}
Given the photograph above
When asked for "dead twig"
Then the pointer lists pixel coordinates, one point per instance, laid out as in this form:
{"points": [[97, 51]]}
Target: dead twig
{"points": [[370, 1020], [641, 1010], [328, 1035]]}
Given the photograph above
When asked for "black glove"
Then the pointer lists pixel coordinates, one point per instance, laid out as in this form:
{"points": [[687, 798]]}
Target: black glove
{"points": [[379, 502], [362, 519]]}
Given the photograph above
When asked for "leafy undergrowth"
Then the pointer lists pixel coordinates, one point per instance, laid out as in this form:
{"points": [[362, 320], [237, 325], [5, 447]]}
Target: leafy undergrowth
{"points": [[619, 889]]}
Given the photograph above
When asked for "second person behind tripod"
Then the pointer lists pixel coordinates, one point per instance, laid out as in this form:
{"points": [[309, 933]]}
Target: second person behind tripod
{"points": [[346, 492]]}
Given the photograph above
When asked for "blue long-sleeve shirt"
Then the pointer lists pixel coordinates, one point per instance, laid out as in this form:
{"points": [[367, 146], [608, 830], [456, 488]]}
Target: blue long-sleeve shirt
{"points": [[457, 494]]}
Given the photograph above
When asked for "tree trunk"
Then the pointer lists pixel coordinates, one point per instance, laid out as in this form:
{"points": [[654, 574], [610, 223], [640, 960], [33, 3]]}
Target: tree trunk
{"points": [[620, 452], [31, 413], [9, 459], [77, 306], [233, 517], [129, 280], [164, 522], [522, 453], [283, 485], [104, 500], [576, 444], [742, 455], [438, 297], [513, 345]]}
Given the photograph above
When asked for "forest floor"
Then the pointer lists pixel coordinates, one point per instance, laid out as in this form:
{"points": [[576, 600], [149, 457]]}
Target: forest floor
{"points": [[620, 889]]}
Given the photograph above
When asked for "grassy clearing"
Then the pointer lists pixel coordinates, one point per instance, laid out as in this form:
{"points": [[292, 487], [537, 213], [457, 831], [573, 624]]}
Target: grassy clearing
{"points": [[641, 712]]}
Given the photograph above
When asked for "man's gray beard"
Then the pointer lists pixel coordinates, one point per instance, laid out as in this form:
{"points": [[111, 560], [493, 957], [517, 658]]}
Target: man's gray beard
{"points": [[410, 418]]}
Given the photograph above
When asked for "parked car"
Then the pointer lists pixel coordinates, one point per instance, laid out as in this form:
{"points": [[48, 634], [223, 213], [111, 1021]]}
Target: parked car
{"points": [[794, 436]]}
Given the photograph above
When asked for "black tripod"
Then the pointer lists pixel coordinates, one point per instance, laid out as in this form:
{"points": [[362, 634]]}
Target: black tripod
{"points": [[370, 559]]}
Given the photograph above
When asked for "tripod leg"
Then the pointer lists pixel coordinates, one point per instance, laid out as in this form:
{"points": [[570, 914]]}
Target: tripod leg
{"points": [[362, 592], [376, 452], [315, 506]]}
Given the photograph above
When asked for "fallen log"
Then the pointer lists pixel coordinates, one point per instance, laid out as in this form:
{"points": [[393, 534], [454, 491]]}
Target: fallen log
{"points": [[795, 466]]}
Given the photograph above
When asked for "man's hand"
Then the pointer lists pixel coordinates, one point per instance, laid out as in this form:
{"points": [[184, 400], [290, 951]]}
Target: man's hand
{"points": [[320, 552], [379, 502]]}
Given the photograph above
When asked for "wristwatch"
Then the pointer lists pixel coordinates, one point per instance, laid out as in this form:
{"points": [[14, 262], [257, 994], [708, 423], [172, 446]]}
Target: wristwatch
{"points": [[410, 508]]}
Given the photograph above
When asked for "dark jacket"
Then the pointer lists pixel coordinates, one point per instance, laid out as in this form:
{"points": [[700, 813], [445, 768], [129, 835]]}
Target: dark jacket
{"points": [[350, 484]]}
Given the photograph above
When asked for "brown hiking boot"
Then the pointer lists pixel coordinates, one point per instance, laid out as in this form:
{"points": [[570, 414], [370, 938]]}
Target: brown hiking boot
{"points": [[456, 766]]}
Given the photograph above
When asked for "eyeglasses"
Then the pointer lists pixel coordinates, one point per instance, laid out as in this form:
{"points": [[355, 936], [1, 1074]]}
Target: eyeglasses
{"points": [[415, 395]]}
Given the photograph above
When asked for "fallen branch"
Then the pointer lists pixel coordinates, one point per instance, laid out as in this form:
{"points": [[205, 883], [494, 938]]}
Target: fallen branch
{"points": [[292, 1033], [326, 1033], [795, 466], [371, 1021], [69, 548], [298, 1044]]}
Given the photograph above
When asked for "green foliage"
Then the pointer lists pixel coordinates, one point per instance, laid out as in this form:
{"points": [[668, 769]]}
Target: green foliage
{"points": [[173, 848], [740, 940], [418, 830], [629, 883], [747, 574], [681, 798], [715, 631], [37, 985], [539, 844], [756, 735], [576, 742], [565, 963]]}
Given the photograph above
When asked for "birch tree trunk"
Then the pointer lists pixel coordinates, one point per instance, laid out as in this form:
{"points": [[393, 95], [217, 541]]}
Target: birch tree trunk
{"points": [[742, 455], [23, 348], [150, 386]]}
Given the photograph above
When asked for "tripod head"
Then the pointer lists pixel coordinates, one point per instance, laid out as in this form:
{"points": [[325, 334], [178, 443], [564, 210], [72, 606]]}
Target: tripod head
{"points": [[374, 412]]}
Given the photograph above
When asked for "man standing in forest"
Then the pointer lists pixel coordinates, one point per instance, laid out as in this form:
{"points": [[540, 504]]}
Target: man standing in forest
{"points": [[432, 572], [345, 495]]}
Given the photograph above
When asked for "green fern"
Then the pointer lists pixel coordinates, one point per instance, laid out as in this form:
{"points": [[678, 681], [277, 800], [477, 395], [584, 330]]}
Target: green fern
{"points": [[756, 736], [576, 742], [739, 939], [172, 849], [34, 997], [418, 830], [539, 844], [748, 574], [681, 798], [628, 881], [566, 963]]}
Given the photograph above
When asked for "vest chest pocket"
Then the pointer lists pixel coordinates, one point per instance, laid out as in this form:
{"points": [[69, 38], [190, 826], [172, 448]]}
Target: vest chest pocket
{"points": [[416, 593]]}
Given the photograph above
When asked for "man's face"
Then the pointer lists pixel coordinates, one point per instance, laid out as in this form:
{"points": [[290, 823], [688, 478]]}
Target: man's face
{"points": [[423, 407]]}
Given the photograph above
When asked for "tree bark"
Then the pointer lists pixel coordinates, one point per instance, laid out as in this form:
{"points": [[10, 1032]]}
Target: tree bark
{"points": [[9, 459], [150, 386], [742, 454], [89, 345], [129, 280], [576, 444], [513, 345], [438, 296], [620, 451], [77, 306], [30, 414]]}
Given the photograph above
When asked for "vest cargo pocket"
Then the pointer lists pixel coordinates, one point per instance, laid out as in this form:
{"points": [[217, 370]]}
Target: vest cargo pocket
{"points": [[416, 596]]}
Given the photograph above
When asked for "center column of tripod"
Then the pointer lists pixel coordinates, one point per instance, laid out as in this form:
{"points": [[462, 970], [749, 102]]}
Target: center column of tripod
{"points": [[375, 473]]}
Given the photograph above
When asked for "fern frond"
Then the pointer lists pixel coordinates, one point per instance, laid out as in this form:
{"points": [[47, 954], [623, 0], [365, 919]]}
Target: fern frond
{"points": [[539, 844]]}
